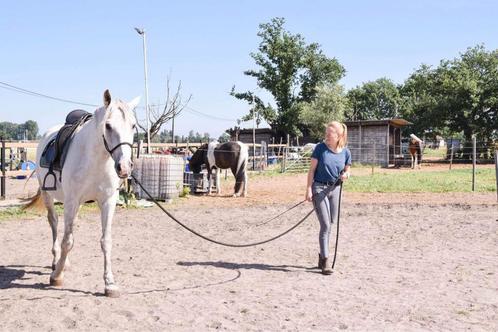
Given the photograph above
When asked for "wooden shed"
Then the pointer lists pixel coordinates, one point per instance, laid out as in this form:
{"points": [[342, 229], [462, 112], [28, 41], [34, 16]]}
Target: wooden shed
{"points": [[375, 141], [245, 135]]}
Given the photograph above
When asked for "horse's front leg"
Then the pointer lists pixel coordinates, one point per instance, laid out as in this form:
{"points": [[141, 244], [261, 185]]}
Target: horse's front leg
{"points": [[413, 165], [70, 212], [209, 175], [244, 189], [218, 185], [107, 208]]}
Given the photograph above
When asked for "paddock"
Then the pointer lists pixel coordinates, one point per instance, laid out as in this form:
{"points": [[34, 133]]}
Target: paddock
{"points": [[405, 262]]}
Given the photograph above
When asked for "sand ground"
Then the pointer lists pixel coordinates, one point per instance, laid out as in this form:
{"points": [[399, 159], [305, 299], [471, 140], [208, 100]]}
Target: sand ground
{"points": [[406, 262]]}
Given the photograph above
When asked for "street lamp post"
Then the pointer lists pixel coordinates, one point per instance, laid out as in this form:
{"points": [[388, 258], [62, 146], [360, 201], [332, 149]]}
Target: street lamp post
{"points": [[142, 33], [253, 134]]}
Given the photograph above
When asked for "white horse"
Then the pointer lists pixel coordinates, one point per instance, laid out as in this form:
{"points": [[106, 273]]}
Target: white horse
{"points": [[97, 160]]}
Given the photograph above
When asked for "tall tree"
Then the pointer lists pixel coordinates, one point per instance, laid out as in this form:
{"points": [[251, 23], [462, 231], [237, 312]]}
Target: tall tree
{"points": [[290, 70], [379, 99], [328, 105], [459, 96], [420, 103], [31, 129]]}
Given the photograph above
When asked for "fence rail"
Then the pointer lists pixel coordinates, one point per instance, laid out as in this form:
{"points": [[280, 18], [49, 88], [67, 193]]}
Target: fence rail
{"points": [[292, 159]]}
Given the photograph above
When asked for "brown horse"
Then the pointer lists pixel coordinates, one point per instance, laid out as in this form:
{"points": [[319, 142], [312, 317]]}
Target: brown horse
{"points": [[415, 149]]}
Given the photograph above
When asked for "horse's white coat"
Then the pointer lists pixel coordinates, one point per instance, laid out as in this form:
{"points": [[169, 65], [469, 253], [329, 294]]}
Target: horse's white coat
{"points": [[210, 153], [90, 173], [244, 156]]}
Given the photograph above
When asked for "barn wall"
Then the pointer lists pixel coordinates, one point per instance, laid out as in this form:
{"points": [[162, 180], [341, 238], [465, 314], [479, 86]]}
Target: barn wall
{"points": [[363, 140]]}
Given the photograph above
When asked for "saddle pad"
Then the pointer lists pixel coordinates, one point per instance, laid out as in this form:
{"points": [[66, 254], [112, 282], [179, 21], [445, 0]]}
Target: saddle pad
{"points": [[54, 154], [48, 155]]}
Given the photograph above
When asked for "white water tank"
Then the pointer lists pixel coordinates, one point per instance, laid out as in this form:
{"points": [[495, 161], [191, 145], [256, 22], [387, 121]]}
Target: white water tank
{"points": [[161, 176]]}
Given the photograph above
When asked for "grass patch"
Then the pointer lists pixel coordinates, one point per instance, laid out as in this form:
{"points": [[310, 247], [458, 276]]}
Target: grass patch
{"points": [[435, 153], [438, 181], [13, 213]]}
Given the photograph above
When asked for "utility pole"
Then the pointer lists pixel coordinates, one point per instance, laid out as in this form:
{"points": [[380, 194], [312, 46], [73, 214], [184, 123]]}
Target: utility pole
{"points": [[173, 128]]}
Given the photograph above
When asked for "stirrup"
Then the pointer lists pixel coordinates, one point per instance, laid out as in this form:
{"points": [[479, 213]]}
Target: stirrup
{"points": [[52, 188]]}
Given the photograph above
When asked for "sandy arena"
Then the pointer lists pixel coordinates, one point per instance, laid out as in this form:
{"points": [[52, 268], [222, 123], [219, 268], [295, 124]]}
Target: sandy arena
{"points": [[406, 262]]}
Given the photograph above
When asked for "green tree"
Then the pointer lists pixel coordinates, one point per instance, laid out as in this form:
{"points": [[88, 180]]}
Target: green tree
{"points": [[8, 130], [375, 100], [420, 103], [328, 105], [290, 70], [14, 131], [459, 96], [224, 137], [31, 128]]}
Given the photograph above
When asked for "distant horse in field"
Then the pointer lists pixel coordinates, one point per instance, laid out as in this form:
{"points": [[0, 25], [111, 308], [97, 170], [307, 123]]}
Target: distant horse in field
{"points": [[233, 155], [97, 159], [415, 149]]}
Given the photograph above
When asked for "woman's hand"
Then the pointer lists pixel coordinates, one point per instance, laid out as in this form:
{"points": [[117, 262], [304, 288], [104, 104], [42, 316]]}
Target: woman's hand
{"points": [[309, 195], [345, 176]]}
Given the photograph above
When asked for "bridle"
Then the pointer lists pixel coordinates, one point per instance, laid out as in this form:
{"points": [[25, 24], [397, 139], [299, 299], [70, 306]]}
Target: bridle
{"points": [[117, 146]]}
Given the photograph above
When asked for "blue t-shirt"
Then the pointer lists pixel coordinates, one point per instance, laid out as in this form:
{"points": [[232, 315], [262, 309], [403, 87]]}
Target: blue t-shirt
{"points": [[330, 164]]}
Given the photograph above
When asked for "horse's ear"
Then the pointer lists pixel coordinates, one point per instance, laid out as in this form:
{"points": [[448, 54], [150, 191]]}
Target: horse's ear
{"points": [[107, 98], [134, 103]]}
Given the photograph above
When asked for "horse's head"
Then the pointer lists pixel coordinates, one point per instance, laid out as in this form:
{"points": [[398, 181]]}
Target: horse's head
{"points": [[198, 158], [118, 126]]}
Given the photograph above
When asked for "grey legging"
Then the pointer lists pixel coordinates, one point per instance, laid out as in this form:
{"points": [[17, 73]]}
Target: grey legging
{"points": [[326, 203]]}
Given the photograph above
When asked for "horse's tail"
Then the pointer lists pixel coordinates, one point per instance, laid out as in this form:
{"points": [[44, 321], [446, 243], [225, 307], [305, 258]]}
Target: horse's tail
{"points": [[29, 177], [35, 202], [241, 166]]}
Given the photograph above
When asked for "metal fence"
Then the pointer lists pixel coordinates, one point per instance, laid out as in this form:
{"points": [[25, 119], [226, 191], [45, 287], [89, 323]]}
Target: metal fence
{"points": [[293, 159]]}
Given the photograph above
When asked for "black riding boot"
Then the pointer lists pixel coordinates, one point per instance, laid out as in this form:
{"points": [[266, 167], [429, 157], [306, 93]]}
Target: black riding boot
{"points": [[326, 267]]}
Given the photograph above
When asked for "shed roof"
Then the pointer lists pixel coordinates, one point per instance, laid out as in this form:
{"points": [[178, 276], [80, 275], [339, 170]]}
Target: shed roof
{"points": [[257, 130], [393, 122]]}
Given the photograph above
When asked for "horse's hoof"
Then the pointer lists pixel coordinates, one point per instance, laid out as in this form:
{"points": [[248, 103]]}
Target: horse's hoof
{"points": [[112, 291], [56, 282]]}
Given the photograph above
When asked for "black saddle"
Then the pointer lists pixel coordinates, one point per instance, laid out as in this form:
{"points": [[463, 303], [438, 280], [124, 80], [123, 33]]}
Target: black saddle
{"points": [[54, 154]]}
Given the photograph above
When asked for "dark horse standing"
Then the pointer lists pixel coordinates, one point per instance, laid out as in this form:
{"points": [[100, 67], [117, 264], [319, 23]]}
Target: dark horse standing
{"points": [[217, 156]]}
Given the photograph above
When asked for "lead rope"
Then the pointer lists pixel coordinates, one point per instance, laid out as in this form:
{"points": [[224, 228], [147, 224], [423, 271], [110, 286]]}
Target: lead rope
{"points": [[215, 241], [337, 232]]}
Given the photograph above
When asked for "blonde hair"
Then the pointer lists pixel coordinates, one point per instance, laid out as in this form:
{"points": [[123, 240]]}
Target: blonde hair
{"points": [[343, 132]]}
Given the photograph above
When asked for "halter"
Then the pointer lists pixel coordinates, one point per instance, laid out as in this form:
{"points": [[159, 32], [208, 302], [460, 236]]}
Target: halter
{"points": [[117, 146]]}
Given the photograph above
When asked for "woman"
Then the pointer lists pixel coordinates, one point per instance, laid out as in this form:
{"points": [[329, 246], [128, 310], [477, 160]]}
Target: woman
{"points": [[330, 162]]}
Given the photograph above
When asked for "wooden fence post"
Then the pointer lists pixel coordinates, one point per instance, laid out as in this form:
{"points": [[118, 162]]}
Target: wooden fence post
{"points": [[451, 155], [2, 180], [374, 156], [496, 173], [474, 163], [279, 147]]}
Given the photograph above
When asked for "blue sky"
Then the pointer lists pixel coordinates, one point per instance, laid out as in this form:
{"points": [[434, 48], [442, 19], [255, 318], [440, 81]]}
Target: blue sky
{"points": [[76, 49]]}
